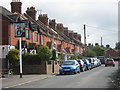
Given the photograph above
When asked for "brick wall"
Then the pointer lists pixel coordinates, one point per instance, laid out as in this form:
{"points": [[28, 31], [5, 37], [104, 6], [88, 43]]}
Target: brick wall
{"points": [[45, 68]]}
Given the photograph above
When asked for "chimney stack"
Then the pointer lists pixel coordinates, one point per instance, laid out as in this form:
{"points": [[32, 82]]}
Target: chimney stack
{"points": [[76, 36], [79, 37], [43, 18], [60, 28], [16, 6], [52, 23], [66, 31], [31, 12], [71, 34]]}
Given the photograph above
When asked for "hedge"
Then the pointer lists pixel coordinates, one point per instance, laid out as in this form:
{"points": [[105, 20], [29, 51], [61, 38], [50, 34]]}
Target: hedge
{"points": [[31, 59]]}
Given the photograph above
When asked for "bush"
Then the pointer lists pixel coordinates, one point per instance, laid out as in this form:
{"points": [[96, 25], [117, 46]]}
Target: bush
{"points": [[45, 53], [89, 53], [53, 54], [31, 59], [14, 57], [73, 57]]}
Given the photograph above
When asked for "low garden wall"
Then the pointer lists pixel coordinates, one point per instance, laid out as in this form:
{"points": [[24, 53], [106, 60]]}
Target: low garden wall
{"points": [[44, 68]]}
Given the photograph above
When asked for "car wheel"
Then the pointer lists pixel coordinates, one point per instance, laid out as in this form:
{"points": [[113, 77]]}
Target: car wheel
{"points": [[113, 65], [83, 69], [60, 73], [105, 65], [79, 72], [75, 71]]}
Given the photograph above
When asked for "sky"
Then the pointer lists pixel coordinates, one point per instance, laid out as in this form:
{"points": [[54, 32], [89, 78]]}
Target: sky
{"points": [[99, 16]]}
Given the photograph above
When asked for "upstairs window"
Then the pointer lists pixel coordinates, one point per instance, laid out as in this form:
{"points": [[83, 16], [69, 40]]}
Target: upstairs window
{"points": [[36, 37], [42, 40], [28, 34]]}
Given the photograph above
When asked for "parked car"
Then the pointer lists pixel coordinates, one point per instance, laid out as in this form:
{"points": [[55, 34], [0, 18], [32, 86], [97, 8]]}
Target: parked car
{"points": [[69, 66], [99, 62], [95, 62], [91, 61], [82, 65], [102, 59], [88, 64], [109, 61]]}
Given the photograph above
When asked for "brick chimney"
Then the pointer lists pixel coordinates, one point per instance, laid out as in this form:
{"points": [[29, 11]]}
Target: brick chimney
{"points": [[16, 6], [43, 18], [52, 23], [66, 31], [60, 28], [71, 34], [76, 36], [31, 12]]}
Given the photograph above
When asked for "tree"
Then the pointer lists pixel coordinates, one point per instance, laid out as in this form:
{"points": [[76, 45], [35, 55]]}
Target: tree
{"points": [[53, 54], [117, 45], [99, 51], [89, 53], [45, 53], [14, 57]]}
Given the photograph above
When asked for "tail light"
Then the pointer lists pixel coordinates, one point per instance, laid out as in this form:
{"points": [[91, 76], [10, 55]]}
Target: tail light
{"points": [[80, 64]]}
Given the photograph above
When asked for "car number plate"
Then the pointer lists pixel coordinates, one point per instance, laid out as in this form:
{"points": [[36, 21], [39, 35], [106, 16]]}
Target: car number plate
{"points": [[66, 69], [109, 62]]}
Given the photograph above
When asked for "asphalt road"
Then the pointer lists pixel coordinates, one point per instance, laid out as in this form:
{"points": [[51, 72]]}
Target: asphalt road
{"points": [[99, 77]]}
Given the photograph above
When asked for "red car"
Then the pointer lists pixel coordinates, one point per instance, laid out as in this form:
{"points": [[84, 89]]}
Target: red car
{"points": [[109, 61]]}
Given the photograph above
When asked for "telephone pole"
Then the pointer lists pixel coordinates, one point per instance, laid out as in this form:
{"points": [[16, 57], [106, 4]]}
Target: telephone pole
{"points": [[101, 41], [84, 34]]}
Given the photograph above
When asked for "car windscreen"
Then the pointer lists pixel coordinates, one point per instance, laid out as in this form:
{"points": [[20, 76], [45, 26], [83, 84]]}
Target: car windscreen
{"points": [[89, 60], [84, 61], [109, 60], [68, 63], [78, 61]]}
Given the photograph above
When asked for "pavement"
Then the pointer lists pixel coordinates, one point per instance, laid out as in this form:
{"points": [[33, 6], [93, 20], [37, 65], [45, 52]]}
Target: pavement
{"points": [[15, 80]]}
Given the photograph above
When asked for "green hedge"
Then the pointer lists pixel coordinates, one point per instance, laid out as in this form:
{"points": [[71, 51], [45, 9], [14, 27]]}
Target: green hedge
{"points": [[116, 58], [31, 59]]}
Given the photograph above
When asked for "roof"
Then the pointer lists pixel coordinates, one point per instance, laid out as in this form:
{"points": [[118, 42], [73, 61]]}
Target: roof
{"points": [[9, 15]]}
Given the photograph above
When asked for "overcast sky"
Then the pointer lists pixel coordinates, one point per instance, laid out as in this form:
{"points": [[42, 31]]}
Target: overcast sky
{"points": [[102, 14]]}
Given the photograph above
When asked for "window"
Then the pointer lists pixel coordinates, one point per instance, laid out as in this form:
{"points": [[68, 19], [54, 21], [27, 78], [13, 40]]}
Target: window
{"points": [[27, 34], [49, 40], [36, 37], [42, 40]]}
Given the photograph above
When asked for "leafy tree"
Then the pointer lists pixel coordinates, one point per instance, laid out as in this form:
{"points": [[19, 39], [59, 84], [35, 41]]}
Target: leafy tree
{"points": [[53, 54], [14, 57], [89, 53], [45, 53], [99, 51], [117, 45]]}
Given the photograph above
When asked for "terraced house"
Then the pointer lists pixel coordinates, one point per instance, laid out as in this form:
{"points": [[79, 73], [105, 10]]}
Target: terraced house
{"points": [[42, 31]]}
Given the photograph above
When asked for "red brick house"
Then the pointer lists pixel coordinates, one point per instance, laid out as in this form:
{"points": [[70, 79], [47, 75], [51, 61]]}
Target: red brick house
{"points": [[37, 32], [111, 53]]}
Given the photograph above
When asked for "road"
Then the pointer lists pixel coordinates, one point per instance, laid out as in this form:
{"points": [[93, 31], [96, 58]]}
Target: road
{"points": [[99, 77]]}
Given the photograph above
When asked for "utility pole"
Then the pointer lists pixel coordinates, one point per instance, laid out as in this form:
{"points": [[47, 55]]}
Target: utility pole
{"points": [[101, 41], [84, 34], [85, 40]]}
